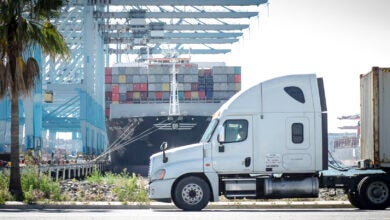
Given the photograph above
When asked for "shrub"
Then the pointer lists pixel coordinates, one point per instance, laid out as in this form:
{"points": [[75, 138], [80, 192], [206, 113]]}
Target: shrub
{"points": [[37, 186]]}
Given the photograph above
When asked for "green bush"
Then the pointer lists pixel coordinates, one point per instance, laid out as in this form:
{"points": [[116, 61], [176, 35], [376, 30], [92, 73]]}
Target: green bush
{"points": [[37, 186], [4, 181], [96, 176], [130, 189]]}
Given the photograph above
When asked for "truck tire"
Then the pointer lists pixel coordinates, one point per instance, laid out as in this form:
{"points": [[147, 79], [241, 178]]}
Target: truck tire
{"points": [[191, 193], [353, 198], [374, 192]]}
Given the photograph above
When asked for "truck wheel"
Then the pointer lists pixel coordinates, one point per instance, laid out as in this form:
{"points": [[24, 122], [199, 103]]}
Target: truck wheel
{"points": [[374, 192], [191, 194], [353, 198]]}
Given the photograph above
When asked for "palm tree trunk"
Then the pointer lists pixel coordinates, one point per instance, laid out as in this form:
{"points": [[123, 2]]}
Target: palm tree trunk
{"points": [[15, 186]]}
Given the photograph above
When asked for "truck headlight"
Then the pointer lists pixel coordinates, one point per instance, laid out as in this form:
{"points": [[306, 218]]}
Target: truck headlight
{"points": [[158, 175]]}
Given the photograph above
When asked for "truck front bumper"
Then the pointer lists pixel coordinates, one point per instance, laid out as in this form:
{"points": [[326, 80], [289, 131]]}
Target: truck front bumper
{"points": [[160, 190]]}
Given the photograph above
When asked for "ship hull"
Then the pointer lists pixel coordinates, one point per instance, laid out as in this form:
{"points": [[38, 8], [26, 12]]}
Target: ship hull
{"points": [[145, 135]]}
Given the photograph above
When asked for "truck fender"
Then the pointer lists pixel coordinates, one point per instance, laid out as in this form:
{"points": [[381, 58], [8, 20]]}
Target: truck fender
{"points": [[214, 184]]}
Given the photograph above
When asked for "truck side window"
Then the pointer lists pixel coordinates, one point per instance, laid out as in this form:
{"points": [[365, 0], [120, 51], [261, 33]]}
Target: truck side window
{"points": [[236, 130], [297, 133], [296, 93]]}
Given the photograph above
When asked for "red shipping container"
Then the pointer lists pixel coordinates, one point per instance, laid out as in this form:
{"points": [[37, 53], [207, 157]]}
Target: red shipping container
{"points": [[108, 79], [188, 65], [202, 94], [143, 87], [144, 95], [115, 96], [237, 78], [194, 86], [115, 88], [108, 71], [107, 112], [129, 96], [158, 95], [187, 95]]}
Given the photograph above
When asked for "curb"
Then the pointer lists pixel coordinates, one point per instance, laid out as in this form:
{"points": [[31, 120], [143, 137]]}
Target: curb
{"points": [[158, 205]]}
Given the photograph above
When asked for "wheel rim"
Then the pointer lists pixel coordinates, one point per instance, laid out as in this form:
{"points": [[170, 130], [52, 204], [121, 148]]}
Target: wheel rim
{"points": [[378, 192], [192, 194]]}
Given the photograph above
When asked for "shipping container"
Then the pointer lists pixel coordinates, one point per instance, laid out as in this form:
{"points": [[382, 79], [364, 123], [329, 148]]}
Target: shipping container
{"points": [[107, 112], [208, 72], [158, 95], [144, 95], [115, 88], [194, 95], [129, 95], [230, 78], [122, 97], [181, 95], [209, 94], [191, 78], [194, 86], [222, 78], [136, 95], [107, 88], [237, 87], [136, 79], [202, 95], [114, 70], [122, 88], [237, 78], [122, 78], [115, 79], [108, 96], [231, 87], [115, 102], [220, 86], [129, 87], [108, 71], [166, 95], [375, 116], [237, 70], [115, 97], [129, 78], [180, 87], [121, 70], [108, 79], [187, 95], [165, 87]]}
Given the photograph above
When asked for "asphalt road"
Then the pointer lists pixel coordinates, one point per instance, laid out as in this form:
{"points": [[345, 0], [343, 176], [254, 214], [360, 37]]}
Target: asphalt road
{"points": [[173, 214]]}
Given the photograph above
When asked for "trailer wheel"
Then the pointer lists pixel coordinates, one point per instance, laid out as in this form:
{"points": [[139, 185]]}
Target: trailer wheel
{"points": [[191, 194], [353, 198], [374, 192]]}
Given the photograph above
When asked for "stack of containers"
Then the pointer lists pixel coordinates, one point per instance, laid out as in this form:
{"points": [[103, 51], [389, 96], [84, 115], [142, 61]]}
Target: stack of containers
{"points": [[226, 81], [136, 84], [108, 90]]}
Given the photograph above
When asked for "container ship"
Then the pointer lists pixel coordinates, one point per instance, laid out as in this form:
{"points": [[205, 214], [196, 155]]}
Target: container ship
{"points": [[162, 101]]}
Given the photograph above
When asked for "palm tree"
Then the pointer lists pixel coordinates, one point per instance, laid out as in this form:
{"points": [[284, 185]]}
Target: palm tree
{"points": [[24, 25]]}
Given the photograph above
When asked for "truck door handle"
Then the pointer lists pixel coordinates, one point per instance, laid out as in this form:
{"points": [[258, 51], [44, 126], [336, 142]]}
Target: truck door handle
{"points": [[221, 148], [247, 162]]}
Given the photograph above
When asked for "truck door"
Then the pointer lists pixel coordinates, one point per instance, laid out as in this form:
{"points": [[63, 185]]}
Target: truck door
{"points": [[235, 153]]}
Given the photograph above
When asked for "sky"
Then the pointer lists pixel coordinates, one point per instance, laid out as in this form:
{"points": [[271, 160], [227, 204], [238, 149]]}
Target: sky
{"points": [[336, 39]]}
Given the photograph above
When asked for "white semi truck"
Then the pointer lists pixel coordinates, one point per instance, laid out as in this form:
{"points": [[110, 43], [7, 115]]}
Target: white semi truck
{"points": [[270, 141]]}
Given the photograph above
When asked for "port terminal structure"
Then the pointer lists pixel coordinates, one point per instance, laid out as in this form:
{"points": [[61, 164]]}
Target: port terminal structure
{"points": [[70, 99]]}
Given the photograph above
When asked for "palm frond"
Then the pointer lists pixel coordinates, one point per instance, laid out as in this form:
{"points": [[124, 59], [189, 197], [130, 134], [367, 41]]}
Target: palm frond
{"points": [[45, 9], [30, 74]]}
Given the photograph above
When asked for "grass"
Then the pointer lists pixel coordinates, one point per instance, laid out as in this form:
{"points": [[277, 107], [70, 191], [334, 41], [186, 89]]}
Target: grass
{"points": [[128, 188], [38, 187]]}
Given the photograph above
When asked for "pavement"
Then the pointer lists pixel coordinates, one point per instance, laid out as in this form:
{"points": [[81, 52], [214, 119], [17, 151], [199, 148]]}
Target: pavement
{"points": [[159, 205]]}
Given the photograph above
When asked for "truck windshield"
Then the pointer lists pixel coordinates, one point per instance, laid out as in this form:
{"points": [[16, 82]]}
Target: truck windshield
{"points": [[209, 131]]}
